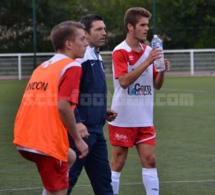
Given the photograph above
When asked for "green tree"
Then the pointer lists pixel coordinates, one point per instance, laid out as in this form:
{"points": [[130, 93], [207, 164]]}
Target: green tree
{"points": [[186, 24], [112, 12], [14, 31], [182, 24], [16, 24]]}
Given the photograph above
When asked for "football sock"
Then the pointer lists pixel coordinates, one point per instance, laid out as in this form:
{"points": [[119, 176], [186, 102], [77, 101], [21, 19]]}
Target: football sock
{"points": [[150, 181], [44, 191], [115, 181]]}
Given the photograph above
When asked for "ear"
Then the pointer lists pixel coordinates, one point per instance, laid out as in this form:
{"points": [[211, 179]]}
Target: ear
{"points": [[130, 27], [68, 44]]}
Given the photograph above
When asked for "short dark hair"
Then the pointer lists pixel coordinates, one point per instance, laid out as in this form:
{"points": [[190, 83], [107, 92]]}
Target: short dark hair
{"points": [[64, 31], [89, 19], [133, 15]]}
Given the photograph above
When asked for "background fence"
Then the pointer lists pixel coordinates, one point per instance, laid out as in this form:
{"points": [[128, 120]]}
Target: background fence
{"points": [[183, 62]]}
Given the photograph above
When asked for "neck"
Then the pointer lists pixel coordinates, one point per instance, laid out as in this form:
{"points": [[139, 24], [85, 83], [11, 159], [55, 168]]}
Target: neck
{"points": [[68, 54], [95, 48], [133, 43]]}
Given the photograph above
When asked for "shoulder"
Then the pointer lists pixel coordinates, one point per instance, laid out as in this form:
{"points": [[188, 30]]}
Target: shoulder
{"points": [[122, 50], [72, 65], [122, 46]]}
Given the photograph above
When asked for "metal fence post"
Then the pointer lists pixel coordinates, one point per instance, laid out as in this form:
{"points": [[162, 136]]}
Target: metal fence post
{"points": [[19, 67], [191, 62]]}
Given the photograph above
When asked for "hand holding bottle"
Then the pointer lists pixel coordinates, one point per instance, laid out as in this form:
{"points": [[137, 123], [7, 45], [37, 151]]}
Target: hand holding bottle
{"points": [[158, 63]]}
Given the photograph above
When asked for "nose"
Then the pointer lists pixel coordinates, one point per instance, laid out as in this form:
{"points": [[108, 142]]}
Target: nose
{"points": [[147, 28], [104, 32], [86, 43]]}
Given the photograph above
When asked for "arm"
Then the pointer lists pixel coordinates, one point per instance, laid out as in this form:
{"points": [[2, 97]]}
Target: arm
{"points": [[127, 79], [67, 116], [68, 95], [159, 80]]}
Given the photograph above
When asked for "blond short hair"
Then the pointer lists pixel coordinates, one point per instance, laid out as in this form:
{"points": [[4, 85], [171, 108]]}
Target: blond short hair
{"points": [[64, 31]]}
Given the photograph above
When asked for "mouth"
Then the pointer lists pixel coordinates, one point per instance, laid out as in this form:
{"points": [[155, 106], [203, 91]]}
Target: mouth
{"points": [[102, 39]]}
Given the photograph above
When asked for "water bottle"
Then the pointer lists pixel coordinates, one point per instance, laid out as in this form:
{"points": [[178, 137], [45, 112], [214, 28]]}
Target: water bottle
{"points": [[158, 63]]}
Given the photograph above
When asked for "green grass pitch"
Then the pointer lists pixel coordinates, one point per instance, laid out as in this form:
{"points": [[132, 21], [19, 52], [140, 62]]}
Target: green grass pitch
{"points": [[184, 119]]}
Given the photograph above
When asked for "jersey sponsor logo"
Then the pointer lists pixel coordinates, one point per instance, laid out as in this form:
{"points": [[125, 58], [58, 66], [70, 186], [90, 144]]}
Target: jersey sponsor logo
{"points": [[46, 64], [40, 99], [67, 176], [37, 86], [155, 189], [131, 58], [119, 137], [137, 89]]}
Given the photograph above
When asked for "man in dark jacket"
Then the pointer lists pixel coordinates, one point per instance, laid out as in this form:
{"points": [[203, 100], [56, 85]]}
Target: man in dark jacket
{"points": [[91, 112]]}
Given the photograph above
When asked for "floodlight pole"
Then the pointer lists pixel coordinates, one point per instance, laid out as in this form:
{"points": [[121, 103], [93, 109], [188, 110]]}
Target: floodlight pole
{"points": [[34, 33], [154, 16]]}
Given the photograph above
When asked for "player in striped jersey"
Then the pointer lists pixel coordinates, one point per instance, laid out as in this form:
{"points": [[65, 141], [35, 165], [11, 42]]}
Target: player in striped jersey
{"points": [[134, 81]]}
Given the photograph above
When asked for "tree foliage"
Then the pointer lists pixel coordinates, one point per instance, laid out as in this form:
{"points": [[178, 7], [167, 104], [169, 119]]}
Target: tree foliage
{"points": [[16, 24], [186, 24], [182, 24], [112, 12]]}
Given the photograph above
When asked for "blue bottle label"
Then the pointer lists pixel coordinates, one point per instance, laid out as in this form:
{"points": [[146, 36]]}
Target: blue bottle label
{"points": [[157, 44]]}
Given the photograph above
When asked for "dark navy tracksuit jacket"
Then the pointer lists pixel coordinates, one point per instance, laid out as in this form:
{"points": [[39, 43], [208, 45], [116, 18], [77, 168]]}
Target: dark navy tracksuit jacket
{"points": [[91, 111]]}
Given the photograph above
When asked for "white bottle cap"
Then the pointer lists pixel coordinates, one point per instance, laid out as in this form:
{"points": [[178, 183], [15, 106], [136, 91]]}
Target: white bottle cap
{"points": [[155, 36]]}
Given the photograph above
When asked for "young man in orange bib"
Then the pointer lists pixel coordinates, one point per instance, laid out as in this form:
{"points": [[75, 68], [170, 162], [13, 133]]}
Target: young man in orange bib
{"points": [[46, 111]]}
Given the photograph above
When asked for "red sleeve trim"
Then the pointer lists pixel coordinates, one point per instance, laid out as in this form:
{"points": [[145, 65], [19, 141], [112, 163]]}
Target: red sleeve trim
{"points": [[155, 73], [120, 63], [69, 84]]}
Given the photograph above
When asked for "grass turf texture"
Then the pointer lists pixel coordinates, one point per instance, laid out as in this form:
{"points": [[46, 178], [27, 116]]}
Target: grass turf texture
{"points": [[185, 142]]}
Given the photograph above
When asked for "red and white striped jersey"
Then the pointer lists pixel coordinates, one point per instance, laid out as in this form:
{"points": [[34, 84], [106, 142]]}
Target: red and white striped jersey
{"points": [[135, 103]]}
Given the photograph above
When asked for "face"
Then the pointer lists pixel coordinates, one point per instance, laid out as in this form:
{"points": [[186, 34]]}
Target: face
{"points": [[141, 29], [97, 35], [79, 44]]}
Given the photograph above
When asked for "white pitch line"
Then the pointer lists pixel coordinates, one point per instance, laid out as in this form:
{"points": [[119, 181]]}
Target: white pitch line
{"points": [[123, 184], [21, 189], [184, 90], [198, 181]]}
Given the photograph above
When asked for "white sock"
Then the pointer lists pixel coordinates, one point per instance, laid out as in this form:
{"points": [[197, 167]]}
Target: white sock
{"points": [[150, 181], [44, 191], [115, 181]]}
